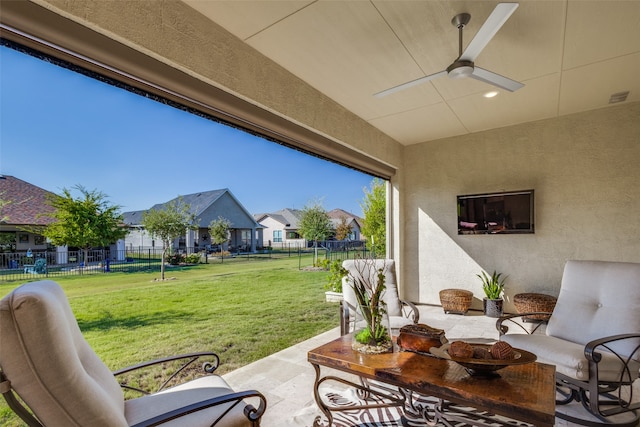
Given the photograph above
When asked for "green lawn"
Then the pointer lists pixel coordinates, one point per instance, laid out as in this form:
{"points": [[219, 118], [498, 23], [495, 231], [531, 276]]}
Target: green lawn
{"points": [[243, 311]]}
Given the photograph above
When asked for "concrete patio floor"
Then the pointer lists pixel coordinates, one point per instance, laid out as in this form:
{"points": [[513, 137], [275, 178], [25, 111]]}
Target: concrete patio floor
{"points": [[286, 378]]}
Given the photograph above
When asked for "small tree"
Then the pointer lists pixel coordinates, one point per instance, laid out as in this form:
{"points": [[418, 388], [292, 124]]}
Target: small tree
{"points": [[87, 221], [168, 224], [219, 231], [343, 230], [315, 225], [374, 226]]}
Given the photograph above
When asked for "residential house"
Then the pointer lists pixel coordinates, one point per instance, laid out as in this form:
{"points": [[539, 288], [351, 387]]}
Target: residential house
{"points": [[25, 210], [280, 229], [571, 133], [351, 220], [245, 232]]}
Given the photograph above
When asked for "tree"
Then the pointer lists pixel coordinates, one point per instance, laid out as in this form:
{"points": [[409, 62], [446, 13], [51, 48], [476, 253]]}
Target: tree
{"points": [[219, 231], [374, 226], [87, 221], [343, 230], [315, 225], [168, 224]]}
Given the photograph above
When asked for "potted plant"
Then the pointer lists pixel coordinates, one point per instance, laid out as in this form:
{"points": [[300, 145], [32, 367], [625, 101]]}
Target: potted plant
{"points": [[369, 287], [493, 287], [334, 281]]}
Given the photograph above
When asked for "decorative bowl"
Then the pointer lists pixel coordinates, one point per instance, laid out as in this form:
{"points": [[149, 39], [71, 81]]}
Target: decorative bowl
{"points": [[488, 367]]}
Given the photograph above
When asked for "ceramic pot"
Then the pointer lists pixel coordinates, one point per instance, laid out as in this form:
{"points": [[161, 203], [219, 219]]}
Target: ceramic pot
{"points": [[493, 307]]}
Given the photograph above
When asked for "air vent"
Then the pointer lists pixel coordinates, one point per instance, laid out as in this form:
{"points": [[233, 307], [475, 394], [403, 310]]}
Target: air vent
{"points": [[618, 97]]}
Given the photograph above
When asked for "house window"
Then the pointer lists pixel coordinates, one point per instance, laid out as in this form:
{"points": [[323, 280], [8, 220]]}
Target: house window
{"points": [[292, 235], [277, 236], [246, 237]]}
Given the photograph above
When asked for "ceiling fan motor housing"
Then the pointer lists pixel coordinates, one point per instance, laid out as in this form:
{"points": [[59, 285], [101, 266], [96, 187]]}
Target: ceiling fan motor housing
{"points": [[460, 69]]}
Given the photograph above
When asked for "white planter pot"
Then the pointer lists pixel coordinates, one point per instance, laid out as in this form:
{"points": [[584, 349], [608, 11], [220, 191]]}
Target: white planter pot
{"points": [[333, 296]]}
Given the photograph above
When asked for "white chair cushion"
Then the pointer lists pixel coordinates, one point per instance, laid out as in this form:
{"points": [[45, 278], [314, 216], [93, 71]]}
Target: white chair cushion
{"points": [[49, 363], [147, 407], [598, 299], [369, 270], [568, 357]]}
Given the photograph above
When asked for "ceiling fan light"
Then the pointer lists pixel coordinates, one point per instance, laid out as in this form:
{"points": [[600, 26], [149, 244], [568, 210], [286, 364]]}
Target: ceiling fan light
{"points": [[461, 72], [460, 69]]}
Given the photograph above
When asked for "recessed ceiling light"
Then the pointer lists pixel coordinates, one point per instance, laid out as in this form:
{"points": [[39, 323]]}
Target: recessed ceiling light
{"points": [[490, 94]]}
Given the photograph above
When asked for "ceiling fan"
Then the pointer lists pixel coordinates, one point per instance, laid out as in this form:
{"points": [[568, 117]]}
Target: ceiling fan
{"points": [[464, 65]]}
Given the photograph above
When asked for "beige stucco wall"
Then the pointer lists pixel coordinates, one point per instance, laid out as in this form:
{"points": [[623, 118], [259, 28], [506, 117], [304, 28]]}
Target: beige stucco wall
{"points": [[585, 172]]}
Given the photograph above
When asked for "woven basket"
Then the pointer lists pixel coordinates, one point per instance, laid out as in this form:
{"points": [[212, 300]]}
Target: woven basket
{"points": [[455, 300], [532, 302]]}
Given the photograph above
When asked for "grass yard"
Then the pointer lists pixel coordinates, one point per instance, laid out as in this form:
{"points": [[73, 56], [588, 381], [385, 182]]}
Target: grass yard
{"points": [[242, 311]]}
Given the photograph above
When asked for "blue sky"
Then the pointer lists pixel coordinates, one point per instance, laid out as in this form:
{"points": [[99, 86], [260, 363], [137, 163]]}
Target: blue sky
{"points": [[59, 129]]}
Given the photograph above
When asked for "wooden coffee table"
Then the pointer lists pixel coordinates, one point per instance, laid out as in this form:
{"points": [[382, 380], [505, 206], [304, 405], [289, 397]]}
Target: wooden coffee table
{"points": [[521, 392]]}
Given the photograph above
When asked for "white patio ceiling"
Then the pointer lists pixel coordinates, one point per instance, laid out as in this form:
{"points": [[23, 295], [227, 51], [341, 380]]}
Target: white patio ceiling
{"points": [[571, 56]]}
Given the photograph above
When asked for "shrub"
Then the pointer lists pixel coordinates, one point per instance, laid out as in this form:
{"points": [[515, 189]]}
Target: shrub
{"points": [[192, 259], [336, 273], [175, 259]]}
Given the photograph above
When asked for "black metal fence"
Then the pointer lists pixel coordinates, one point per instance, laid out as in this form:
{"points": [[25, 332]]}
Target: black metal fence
{"points": [[43, 264]]}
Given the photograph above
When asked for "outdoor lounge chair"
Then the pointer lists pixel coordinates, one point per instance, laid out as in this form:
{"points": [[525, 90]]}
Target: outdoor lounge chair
{"points": [[400, 312], [593, 339], [45, 360]]}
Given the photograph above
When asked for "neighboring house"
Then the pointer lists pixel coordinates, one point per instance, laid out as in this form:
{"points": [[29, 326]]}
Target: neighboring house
{"points": [[27, 209], [245, 232], [281, 227], [352, 220]]}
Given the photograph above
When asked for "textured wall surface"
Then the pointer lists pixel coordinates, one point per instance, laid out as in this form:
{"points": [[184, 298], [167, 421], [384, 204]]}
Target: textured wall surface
{"points": [[585, 171]]}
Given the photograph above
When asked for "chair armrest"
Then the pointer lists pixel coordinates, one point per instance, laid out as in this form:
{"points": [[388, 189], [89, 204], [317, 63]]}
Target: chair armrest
{"points": [[250, 411], [211, 363], [411, 311], [626, 378], [590, 348], [511, 319]]}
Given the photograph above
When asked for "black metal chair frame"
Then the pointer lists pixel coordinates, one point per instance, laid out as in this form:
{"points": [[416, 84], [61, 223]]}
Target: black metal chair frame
{"points": [[602, 399], [252, 413]]}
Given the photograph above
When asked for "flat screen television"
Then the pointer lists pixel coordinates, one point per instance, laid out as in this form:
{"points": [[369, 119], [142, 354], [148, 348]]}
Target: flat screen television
{"points": [[496, 213]]}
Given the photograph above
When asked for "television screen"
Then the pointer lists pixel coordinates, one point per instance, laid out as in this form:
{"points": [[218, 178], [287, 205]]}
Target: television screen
{"points": [[496, 213]]}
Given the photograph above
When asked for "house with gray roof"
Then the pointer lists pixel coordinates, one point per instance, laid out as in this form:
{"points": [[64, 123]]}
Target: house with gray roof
{"points": [[281, 227], [206, 206]]}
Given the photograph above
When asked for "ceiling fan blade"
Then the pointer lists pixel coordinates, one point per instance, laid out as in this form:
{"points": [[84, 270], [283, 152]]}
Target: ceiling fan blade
{"points": [[494, 22], [407, 85], [495, 79]]}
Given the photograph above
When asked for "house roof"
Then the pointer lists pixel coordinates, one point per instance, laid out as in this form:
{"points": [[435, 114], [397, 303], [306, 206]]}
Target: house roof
{"points": [[27, 202], [289, 218], [198, 203], [336, 216]]}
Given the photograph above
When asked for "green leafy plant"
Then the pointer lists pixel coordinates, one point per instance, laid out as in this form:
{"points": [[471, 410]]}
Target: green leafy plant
{"points": [[369, 289], [493, 285], [336, 273]]}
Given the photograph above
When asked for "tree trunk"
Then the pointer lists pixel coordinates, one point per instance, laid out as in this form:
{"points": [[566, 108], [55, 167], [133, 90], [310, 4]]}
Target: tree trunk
{"points": [[164, 254]]}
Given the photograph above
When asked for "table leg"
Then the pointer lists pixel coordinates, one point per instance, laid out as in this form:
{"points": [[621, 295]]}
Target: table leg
{"points": [[316, 395], [387, 399]]}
